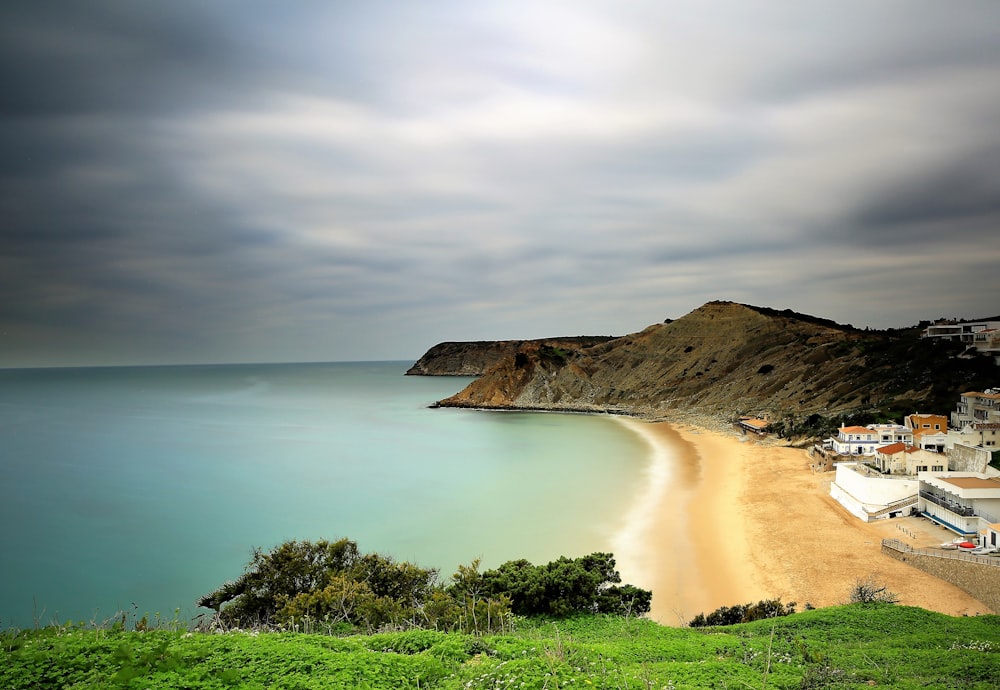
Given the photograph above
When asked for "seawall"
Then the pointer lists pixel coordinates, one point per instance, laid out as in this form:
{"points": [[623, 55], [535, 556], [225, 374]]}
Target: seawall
{"points": [[980, 577]]}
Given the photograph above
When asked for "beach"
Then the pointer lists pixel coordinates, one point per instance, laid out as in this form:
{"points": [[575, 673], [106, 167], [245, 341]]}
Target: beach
{"points": [[729, 519]]}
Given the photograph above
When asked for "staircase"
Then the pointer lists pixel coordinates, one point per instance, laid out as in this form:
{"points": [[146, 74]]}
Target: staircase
{"points": [[893, 507]]}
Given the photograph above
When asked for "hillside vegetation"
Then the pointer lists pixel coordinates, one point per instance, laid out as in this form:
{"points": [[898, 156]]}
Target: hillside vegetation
{"points": [[476, 357], [854, 646], [333, 587], [726, 359]]}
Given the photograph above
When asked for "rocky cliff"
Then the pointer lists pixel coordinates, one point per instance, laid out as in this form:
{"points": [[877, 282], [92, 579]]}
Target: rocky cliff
{"points": [[474, 358], [723, 359]]}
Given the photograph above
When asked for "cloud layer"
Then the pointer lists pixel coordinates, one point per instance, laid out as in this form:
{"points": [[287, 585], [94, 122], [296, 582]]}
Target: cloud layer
{"points": [[251, 181]]}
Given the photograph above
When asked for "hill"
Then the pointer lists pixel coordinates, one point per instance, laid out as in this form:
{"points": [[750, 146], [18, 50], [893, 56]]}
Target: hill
{"points": [[474, 358], [839, 647], [727, 359]]}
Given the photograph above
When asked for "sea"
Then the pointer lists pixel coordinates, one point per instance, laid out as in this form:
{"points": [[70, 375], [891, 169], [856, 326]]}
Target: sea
{"points": [[137, 489]]}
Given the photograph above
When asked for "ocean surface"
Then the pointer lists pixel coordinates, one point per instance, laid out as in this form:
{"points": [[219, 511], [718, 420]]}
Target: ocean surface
{"points": [[140, 488]]}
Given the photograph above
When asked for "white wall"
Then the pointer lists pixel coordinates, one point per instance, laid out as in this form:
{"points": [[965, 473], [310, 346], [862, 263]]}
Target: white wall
{"points": [[862, 495]]}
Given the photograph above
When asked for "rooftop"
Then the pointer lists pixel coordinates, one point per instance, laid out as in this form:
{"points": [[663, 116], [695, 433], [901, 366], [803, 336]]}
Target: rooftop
{"points": [[974, 394], [972, 482], [898, 447]]}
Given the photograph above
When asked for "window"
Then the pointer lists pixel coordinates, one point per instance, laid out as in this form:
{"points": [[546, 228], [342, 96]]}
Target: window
{"points": [[921, 468], [937, 468], [928, 426]]}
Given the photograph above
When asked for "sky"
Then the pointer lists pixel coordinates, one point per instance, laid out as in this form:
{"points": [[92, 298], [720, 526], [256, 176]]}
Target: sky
{"points": [[247, 181]]}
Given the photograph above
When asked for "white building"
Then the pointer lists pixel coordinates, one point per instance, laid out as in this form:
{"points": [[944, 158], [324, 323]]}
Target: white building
{"points": [[992, 537], [937, 442], [901, 459], [892, 433], [964, 332], [964, 502], [930, 431], [863, 440], [869, 496], [855, 440], [975, 408]]}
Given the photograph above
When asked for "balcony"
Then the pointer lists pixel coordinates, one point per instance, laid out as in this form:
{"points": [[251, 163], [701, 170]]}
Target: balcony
{"points": [[957, 508]]}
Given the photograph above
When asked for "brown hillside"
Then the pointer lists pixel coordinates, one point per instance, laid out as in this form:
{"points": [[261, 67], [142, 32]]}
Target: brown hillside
{"points": [[722, 358], [475, 357]]}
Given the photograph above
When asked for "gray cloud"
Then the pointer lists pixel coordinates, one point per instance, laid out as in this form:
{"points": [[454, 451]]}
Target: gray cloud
{"points": [[947, 197], [264, 181]]}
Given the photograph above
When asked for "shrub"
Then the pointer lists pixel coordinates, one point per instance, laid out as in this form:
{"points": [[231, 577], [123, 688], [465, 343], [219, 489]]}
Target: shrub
{"points": [[567, 586], [869, 591], [330, 585], [744, 613]]}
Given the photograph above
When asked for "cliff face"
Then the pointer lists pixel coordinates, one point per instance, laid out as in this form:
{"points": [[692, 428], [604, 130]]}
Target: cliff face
{"points": [[722, 358], [475, 358]]}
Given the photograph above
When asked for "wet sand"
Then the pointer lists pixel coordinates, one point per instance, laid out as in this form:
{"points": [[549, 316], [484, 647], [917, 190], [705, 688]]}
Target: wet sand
{"points": [[730, 519]]}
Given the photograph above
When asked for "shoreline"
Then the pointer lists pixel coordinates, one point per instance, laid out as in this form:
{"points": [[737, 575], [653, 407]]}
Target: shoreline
{"points": [[726, 519]]}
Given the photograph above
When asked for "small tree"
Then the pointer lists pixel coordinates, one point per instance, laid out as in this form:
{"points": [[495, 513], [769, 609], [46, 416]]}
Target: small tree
{"points": [[567, 586], [744, 613], [869, 591], [274, 577]]}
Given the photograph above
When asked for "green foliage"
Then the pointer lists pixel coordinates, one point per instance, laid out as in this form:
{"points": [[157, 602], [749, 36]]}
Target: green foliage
{"points": [[556, 355], [840, 647], [744, 613], [314, 586], [566, 586], [330, 587], [293, 568], [895, 373]]}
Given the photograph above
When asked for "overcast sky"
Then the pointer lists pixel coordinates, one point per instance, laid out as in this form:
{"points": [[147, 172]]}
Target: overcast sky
{"points": [[296, 181]]}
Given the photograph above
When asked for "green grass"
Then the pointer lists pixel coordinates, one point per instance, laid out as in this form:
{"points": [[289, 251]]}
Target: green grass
{"points": [[854, 646]]}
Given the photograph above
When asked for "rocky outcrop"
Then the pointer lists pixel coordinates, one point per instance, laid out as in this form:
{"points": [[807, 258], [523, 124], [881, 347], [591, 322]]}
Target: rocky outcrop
{"points": [[474, 358], [722, 358]]}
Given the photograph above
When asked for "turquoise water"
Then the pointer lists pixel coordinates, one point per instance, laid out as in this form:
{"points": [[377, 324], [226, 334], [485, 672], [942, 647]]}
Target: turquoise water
{"points": [[143, 488]]}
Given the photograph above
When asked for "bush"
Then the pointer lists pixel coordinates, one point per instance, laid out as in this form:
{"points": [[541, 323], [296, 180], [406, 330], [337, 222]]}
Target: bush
{"points": [[293, 568], [566, 586], [744, 613], [302, 585], [871, 592]]}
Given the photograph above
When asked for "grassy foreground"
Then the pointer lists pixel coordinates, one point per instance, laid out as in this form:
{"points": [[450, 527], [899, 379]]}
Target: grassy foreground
{"points": [[854, 646]]}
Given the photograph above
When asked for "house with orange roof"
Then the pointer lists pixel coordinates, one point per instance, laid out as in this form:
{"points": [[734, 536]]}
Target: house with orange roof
{"points": [[930, 431], [754, 424], [855, 440], [902, 459], [863, 440], [921, 423]]}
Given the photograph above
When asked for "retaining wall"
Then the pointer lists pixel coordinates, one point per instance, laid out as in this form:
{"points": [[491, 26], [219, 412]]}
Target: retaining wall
{"points": [[979, 578]]}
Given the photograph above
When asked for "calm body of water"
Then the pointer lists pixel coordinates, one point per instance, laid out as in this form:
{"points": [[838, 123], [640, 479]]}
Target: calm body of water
{"points": [[146, 487]]}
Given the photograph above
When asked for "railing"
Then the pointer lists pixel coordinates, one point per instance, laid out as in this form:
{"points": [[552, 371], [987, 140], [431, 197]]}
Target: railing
{"points": [[903, 547], [957, 508], [895, 505]]}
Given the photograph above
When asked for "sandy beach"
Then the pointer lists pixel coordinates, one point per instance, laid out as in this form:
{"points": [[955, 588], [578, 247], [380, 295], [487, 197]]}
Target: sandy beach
{"points": [[731, 519]]}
